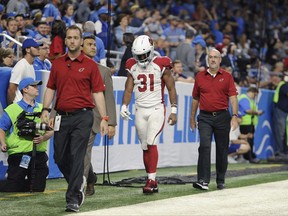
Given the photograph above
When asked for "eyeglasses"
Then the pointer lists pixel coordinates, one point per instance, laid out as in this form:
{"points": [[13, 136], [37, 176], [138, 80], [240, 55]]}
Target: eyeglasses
{"points": [[10, 56]]}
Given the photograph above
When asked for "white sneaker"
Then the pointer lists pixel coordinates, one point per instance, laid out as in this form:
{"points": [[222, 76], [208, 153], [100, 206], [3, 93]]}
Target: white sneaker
{"points": [[82, 193], [231, 160]]}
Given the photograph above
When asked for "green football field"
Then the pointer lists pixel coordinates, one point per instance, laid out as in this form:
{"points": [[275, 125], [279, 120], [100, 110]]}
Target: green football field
{"points": [[52, 201]]}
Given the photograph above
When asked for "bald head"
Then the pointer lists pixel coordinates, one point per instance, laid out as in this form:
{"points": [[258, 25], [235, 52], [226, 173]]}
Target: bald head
{"points": [[214, 60]]}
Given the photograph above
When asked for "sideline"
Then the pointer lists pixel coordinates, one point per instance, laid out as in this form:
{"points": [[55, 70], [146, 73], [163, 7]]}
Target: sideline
{"points": [[257, 200]]}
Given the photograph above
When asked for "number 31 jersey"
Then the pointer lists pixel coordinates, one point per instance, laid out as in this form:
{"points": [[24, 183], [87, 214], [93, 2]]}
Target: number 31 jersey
{"points": [[148, 82]]}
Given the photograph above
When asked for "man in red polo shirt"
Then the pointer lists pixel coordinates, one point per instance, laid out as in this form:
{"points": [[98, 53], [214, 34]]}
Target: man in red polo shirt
{"points": [[73, 77], [212, 91]]}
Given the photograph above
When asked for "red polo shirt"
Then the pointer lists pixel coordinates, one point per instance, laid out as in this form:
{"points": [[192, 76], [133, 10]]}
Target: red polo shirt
{"points": [[214, 92], [74, 81]]}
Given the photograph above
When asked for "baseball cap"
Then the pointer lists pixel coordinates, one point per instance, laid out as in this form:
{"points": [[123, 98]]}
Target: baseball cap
{"points": [[88, 35], [200, 41], [29, 42], [28, 81]]}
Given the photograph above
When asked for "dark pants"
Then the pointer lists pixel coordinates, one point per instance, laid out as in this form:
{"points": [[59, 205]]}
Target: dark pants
{"points": [[208, 125], [16, 179], [245, 129], [70, 144]]}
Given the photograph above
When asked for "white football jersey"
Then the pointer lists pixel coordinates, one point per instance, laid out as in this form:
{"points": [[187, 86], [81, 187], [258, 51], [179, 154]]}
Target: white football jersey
{"points": [[148, 82]]}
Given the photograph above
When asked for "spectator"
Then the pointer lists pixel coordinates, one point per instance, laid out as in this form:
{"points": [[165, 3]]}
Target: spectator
{"points": [[128, 39], [186, 54], [17, 7], [83, 11], [23, 68], [154, 28], [230, 61], [249, 113], [89, 48], [214, 118], [41, 62], [174, 35], [139, 17], [51, 11], [162, 47], [20, 173], [101, 27], [150, 109], [6, 57], [200, 54], [67, 15], [124, 27], [100, 57], [41, 30], [58, 33], [74, 106], [279, 117], [22, 26], [178, 73], [12, 31]]}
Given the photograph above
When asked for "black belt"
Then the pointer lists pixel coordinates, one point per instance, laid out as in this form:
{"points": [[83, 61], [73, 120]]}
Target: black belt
{"points": [[213, 113], [72, 113]]}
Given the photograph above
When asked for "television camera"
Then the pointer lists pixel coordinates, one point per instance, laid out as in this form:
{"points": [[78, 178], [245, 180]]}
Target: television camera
{"points": [[27, 125]]}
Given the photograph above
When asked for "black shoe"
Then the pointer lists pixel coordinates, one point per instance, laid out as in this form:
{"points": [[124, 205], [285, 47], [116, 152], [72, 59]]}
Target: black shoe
{"points": [[72, 208], [201, 185], [90, 189], [220, 186]]}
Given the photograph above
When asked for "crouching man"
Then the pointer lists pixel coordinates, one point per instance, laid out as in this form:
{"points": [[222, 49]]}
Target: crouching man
{"points": [[26, 143]]}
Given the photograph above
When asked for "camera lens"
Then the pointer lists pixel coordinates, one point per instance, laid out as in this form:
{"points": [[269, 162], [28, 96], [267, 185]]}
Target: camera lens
{"points": [[41, 126]]}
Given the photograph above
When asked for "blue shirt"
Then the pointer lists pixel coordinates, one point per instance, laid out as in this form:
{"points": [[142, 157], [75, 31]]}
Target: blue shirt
{"points": [[244, 105], [41, 65], [51, 11], [68, 20], [5, 121]]}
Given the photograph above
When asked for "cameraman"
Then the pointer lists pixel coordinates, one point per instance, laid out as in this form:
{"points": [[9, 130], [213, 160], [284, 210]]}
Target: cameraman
{"points": [[21, 162]]}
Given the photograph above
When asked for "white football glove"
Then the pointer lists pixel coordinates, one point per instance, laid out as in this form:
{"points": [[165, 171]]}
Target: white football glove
{"points": [[125, 113]]}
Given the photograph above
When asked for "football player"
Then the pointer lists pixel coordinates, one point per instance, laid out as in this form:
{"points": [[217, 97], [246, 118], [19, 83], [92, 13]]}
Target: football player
{"points": [[147, 76]]}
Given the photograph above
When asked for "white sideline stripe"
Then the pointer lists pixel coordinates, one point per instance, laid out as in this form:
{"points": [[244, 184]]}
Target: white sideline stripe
{"points": [[257, 200]]}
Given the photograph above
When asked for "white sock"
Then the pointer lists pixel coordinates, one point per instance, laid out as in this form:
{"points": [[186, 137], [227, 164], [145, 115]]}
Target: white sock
{"points": [[152, 176]]}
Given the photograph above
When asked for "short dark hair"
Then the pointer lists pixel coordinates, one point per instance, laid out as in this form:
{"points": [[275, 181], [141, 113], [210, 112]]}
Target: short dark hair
{"points": [[75, 27], [177, 61], [253, 89], [189, 33], [128, 38], [41, 23]]}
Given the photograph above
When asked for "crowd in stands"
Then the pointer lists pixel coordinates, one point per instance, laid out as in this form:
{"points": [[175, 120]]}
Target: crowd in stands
{"points": [[252, 36]]}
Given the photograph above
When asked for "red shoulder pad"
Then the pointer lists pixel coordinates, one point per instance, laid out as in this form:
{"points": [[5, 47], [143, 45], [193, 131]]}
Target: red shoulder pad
{"points": [[129, 63], [163, 62]]}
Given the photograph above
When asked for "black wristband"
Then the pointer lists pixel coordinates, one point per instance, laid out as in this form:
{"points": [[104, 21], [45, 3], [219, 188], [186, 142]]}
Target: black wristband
{"points": [[235, 115], [47, 109]]}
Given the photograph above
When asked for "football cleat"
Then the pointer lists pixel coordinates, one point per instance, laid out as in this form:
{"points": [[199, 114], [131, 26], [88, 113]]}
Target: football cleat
{"points": [[150, 187]]}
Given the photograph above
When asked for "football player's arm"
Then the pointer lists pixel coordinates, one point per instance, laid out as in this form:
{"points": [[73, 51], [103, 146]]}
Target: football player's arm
{"points": [[170, 84], [129, 85]]}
